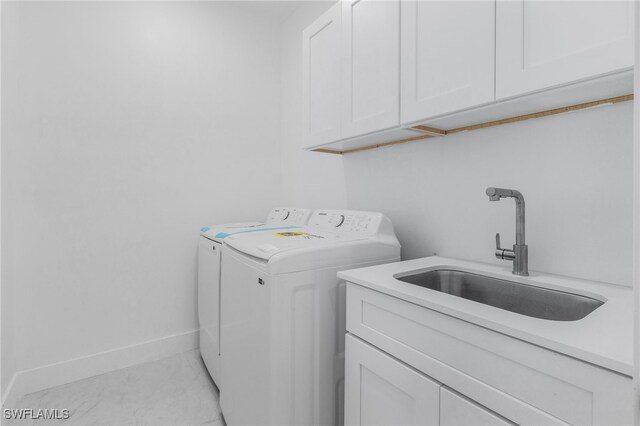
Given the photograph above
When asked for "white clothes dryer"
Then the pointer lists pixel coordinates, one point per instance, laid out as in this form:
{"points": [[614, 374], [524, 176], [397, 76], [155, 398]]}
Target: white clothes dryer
{"points": [[283, 316], [209, 257]]}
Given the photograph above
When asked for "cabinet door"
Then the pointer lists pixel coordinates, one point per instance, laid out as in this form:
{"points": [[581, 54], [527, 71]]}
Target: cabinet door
{"points": [[371, 43], [456, 410], [209, 305], [448, 56], [540, 44], [380, 390], [322, 78]]}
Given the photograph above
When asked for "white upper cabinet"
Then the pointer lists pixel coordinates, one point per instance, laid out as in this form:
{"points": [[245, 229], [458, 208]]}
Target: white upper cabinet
{"points": [[371, 46], [322, 78], [383, 71], [543, 44], [448, 56]]}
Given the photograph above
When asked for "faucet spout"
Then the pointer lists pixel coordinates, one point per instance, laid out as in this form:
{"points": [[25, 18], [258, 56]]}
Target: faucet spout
{"points": [[519, 254]]}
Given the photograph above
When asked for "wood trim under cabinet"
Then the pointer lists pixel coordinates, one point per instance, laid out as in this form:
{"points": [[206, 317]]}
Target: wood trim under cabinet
{"points": [[515, 119]]}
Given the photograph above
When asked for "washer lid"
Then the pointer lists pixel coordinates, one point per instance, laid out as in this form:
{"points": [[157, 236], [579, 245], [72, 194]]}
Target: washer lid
{"points": [[265, 245], [280, 252], [332, 238], [220, 232]]}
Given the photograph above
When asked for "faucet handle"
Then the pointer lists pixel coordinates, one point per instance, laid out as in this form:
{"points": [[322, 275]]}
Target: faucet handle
{"points": [[502, 253]]}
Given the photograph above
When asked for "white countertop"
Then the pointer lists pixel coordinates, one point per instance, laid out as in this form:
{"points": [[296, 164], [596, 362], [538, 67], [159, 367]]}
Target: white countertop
{"points": [[604, 337]]}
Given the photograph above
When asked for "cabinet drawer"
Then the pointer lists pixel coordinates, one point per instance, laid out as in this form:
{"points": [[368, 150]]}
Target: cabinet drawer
{"points": [[456, 410], [523, 382]]}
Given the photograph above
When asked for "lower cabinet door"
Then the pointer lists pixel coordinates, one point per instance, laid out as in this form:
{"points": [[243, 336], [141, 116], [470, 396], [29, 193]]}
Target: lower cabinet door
{"points": [[380, 390], [456, 410]]}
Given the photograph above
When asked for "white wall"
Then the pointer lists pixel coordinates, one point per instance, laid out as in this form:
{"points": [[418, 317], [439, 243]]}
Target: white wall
{"points": [[7, 358], [310, 179], [575, 171], [123, 127], [636, 219]]}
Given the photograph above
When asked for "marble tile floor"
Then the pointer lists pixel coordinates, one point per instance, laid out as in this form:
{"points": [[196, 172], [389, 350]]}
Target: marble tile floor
{"points": [[172, 391]]}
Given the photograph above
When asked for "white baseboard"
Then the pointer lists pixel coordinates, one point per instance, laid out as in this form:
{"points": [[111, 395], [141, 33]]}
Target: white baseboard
{"points": [[47, 376]]}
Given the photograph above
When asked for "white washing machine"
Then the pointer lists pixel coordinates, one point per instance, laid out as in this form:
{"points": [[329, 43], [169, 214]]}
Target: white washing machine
{"points": [[209, 256], [283, 316]]}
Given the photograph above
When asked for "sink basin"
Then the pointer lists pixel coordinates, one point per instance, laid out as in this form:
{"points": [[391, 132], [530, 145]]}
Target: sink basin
{"points": [[522, 299]]}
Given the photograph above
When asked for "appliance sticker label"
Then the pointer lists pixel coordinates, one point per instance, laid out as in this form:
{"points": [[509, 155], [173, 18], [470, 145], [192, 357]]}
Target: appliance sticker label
{"points": [[289, 234], [226, 234], [297, 234]]}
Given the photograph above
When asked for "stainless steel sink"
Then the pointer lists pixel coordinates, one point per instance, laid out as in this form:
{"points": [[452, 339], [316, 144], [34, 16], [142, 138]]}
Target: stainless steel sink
{"points": [[523, 299]]}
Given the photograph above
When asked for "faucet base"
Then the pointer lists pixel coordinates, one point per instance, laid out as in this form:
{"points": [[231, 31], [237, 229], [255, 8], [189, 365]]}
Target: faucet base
{"points": [[520, 260]]}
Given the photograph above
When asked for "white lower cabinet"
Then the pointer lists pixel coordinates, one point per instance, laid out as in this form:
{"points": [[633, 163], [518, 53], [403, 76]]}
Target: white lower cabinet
{"points": [[380, 390], [408, 364]]}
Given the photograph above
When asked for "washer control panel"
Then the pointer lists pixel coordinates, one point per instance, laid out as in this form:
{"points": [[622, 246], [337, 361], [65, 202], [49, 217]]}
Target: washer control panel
{"points": [[292, 216], [346, 221]]}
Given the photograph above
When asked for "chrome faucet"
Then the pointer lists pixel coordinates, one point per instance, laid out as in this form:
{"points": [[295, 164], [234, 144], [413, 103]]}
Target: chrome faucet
{"points": [[520, 253]]}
